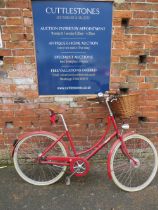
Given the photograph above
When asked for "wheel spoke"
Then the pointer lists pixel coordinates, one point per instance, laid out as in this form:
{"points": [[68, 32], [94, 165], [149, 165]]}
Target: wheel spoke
{"points": [[30, 168], [125, 173]]}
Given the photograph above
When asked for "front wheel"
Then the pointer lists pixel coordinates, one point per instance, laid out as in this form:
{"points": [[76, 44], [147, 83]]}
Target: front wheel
{"points": [[26, 161], [129, 176]]}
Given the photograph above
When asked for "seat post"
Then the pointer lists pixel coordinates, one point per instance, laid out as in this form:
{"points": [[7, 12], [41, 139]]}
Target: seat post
{"points": [[64, 123]]}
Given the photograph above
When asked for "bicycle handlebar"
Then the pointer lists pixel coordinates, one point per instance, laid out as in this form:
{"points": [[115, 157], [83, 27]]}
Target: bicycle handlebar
{"points": [[108, 96]]}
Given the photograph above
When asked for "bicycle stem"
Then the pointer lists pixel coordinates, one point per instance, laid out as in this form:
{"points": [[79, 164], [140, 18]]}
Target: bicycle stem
{"points": [[108, 106]]}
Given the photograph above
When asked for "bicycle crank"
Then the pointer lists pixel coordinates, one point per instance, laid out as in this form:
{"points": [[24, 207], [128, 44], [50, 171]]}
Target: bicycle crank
{"points": [[79, 166]]}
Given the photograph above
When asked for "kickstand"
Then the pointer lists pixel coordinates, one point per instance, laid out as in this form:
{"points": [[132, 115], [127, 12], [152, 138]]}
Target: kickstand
{"points": [[67, 179]]}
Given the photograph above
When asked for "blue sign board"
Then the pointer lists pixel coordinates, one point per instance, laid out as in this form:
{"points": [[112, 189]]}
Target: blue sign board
{"points": [[73, 46]]}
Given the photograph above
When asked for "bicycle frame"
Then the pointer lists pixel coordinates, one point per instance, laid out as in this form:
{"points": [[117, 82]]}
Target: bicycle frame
{"points": [[92, 150], [43, 158]]}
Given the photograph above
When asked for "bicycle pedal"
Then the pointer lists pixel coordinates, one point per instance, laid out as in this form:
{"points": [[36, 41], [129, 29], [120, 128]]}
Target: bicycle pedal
{"points": [[67, 181]]}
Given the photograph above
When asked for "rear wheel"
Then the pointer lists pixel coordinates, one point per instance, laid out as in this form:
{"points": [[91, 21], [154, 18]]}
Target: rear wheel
{"points": [[129, 176], [26, 161]]}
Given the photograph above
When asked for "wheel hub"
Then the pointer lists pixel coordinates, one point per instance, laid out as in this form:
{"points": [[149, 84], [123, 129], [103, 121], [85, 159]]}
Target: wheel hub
{"points": [[135, 163]]}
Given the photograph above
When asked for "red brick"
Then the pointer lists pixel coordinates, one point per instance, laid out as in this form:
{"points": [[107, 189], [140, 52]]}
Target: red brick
{"points": [[154, 23], [19, 45], [28, 22], [152, 79], [139, 22], [10, 12], [13, 88], [151, 60], [117, 79], [151, 30], [155, 7], [119, 44], [2, 139], [153, 66], [4, 88], [119, 66], [29, 30], [30, 60], [13, 29], [5, 52], [141, 6], [135, 30], [143, 14], [153, 92], [150, 45], [121, 37], [27, 13], [31, 94], [154, 38], [146, 73], [13, 60], [120, 52], [14, 21], [138, 79], [6, 37], [141, 38], [2, 12], [137, 52], [155, 15], [23, 52], [117, 22], [17, 37], [123, 6], [132, 59], [132, 66], [154, 1], [17, 4], [115, 59], [134, 45], [129, 73], [154, 52], [122, 14]]}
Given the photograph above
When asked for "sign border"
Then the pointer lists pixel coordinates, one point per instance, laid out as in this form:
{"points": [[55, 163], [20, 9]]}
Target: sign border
{"points": [[69, 95]]}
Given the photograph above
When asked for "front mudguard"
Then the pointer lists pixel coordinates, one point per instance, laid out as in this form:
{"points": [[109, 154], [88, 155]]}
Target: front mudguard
{"points": [[112, 150], [15, 143]]}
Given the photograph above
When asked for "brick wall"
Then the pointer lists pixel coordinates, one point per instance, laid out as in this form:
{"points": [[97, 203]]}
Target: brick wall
{"points": [[134, 64]]}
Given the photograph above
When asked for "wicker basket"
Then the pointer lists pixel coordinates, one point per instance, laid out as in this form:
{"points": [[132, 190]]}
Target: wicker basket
{"points": [[125, 106]]}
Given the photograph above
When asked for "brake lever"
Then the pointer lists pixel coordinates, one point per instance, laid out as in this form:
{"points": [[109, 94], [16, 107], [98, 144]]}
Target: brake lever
{"points": [[113, 99]]}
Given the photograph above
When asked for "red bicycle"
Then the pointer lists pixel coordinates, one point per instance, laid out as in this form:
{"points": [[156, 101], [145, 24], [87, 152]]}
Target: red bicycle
{"points": [[41, 158]]}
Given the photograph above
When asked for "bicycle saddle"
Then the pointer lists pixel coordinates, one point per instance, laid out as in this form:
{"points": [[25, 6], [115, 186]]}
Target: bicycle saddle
{"points": [[58, 108]]}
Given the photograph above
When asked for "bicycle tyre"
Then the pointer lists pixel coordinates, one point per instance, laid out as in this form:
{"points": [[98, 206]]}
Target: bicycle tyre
{"points": [[127, 176], [33, 172]]}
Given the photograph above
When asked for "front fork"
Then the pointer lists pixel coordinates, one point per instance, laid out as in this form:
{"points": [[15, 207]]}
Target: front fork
{"points": [[125, 150]]}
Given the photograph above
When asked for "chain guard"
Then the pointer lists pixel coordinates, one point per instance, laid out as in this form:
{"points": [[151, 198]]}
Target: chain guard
{"points": [[80, 165]]}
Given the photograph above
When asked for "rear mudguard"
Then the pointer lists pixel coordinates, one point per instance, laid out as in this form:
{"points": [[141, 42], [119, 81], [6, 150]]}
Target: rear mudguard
{"points": [[112, 150], [38, 132]]}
